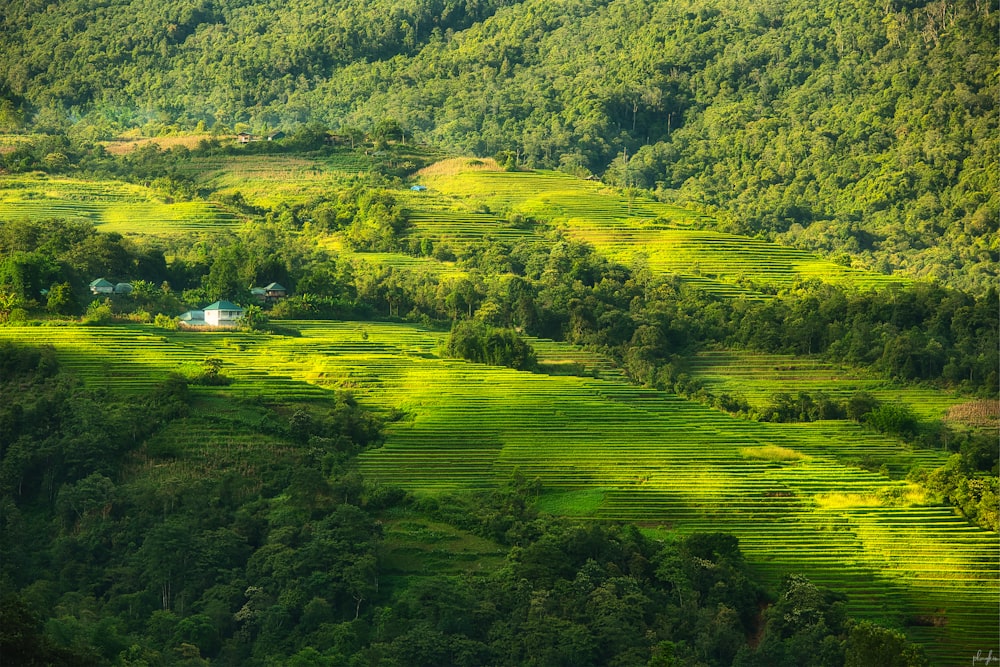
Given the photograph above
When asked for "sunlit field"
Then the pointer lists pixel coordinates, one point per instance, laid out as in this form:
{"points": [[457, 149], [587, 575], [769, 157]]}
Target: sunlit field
{"points": [[603, 450]]}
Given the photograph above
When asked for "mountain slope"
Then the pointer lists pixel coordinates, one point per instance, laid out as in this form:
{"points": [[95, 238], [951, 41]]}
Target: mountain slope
{"points": [[849, 128]]}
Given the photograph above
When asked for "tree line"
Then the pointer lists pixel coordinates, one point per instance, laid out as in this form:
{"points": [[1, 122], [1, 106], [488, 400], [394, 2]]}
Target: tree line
{"points": [[559, 289]]}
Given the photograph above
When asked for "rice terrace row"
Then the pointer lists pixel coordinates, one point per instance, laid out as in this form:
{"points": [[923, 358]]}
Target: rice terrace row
{"points": [[635, 231], [604, 449]]}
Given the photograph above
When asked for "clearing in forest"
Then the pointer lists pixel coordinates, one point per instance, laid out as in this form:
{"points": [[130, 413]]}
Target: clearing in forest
{"points": [[268, 180]]}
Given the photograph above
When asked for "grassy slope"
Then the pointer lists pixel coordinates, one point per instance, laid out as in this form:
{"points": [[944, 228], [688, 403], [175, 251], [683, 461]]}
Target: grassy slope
{"points": [[267, 180], [792, 493], [756, 377], [264, 180], [113, 206], [465, 203], [606, 450], [635, 231]]}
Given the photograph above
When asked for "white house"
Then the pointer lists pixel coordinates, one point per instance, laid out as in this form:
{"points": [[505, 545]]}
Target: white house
{"points": [[222, 314]]}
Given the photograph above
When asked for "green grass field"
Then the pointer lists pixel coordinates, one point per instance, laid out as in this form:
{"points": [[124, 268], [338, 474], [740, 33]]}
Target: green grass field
{"points": [[112, 206], [396, 260], [603, 450], [269, 180]]}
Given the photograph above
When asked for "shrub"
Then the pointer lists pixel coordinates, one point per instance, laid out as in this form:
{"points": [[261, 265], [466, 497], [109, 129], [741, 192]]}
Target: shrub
{"points": [[484, 344], [165, 321], [99, 312], [894, 419]]}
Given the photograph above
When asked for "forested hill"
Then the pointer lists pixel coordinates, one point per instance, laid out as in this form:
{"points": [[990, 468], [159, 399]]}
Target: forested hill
{"points": [[867, 129]]}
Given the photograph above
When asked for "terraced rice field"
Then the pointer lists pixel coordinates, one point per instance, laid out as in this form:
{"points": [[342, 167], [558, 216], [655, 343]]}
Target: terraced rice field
{"points": [[607, 450], [399, 261], [125, 145], [756, 377], [641, 232], [463, 227], [270, 180], [111, 205]]}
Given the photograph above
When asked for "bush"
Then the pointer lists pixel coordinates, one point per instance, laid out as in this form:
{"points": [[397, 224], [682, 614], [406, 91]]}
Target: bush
{"points": [[484, 344], [894, 419], [99, 312], [165, 321]]}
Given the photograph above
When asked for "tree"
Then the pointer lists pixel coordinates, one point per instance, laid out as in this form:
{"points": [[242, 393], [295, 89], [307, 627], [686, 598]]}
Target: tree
{"points": [[477, 341], [211, 373], [11, 116], [870, 644], [254, 319], [8, 302], [61, 300], [893, 418], [860, 404]]}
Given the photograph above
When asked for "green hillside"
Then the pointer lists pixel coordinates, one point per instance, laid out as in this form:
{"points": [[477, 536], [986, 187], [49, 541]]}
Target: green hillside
{"points": [[589, 333], [113, 206], [341, 477], [845, 129], [602, 449], [633, 230]]}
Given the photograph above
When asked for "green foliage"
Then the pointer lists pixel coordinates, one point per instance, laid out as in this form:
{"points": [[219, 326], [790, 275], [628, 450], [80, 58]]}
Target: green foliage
{"points": [[254, 319], [209, 569], [895, 419], [377, 223], [61, 300], [99, 312], [61, 441], [804, 407], [484, 344], [165, 321], [869, 644], [806, 625], [24, 641], [958, 482], [786, 119], [860, 404], [17, 360], [211, 373]]}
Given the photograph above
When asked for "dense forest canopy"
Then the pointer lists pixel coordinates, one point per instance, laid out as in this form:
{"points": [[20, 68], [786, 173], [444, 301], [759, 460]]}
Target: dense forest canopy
{"points": [[858, 128]]}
